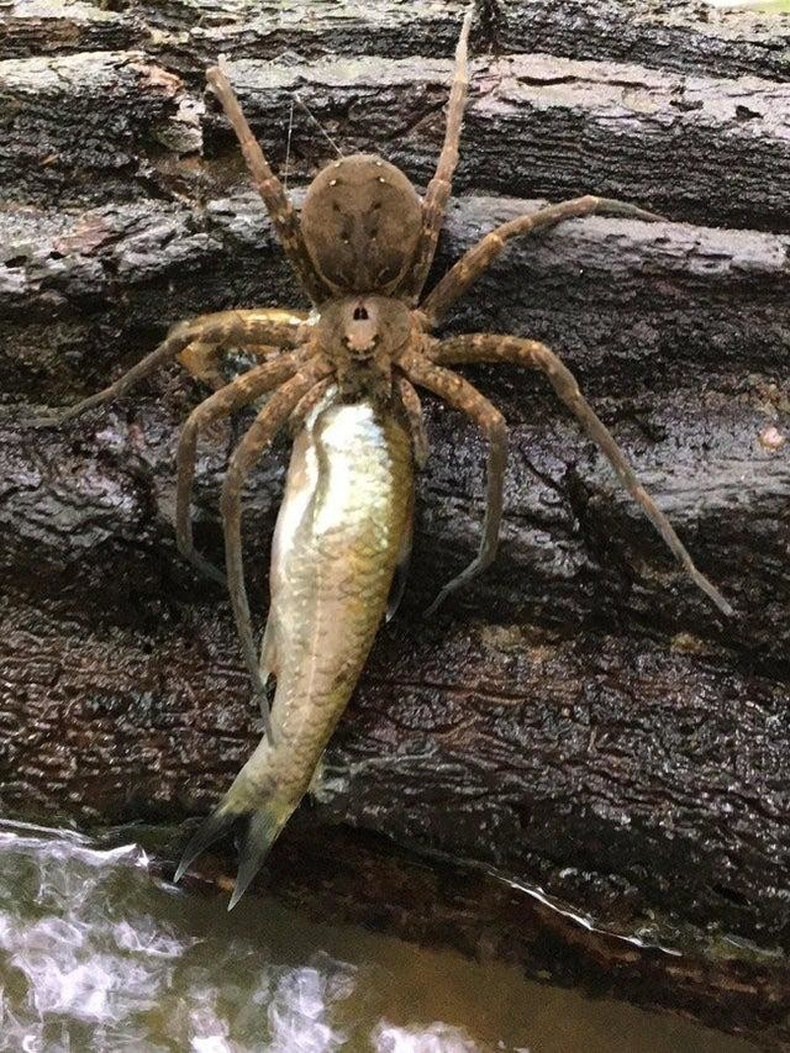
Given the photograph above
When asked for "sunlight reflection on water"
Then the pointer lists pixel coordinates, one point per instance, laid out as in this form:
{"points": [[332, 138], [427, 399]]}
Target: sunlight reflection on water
{"points": [[83, 967], [95, 955]]}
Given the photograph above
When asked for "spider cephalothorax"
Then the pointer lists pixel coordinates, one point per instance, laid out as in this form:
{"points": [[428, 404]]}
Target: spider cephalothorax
{"points": [[364, 336], [362, 253]]}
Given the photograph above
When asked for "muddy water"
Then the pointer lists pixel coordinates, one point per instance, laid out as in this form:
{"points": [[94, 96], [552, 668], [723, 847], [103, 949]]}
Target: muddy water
{"points": [[96, 955]]}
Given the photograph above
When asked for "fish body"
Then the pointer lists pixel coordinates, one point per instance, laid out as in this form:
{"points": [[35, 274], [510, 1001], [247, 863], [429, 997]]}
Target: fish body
{"points": [[343, 527]]}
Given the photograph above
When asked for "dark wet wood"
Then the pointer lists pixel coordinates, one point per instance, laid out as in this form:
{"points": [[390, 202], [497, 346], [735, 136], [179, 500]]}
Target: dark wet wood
{"points": [[538, 124], [580, 718], [63, 27]]}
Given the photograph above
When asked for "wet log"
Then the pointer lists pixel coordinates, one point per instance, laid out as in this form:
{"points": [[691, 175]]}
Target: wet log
{"points": [[579, 719], [81, 127]]}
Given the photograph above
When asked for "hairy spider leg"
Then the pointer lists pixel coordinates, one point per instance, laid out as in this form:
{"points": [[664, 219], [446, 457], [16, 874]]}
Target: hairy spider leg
{"points": [[257, 438], [240, 392], [204, 360], [230, 328], [410, 401], [481, 255], [280, 209], [308, 402], [438, 190], [460, 394], [486, 347]]}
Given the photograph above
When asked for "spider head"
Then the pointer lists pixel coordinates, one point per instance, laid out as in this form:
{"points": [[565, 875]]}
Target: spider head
{"points": [[361, 220], [363, 335]]}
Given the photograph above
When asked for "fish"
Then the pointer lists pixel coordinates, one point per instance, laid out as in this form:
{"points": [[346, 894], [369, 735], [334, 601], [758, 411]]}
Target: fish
{"points": [[342, 532]]}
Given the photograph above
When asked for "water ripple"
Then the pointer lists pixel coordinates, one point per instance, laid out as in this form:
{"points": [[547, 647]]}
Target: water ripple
{"points": [[83, 967]]}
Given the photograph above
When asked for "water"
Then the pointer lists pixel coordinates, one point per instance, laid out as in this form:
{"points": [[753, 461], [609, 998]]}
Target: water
{"points": [[97, 955]]}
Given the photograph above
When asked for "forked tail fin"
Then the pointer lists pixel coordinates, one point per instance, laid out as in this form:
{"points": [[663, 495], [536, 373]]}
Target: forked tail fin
{"points": [[262, 829]]}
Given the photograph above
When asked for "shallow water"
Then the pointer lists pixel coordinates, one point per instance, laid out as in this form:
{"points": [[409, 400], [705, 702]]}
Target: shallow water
{"points": [[96, 955]]}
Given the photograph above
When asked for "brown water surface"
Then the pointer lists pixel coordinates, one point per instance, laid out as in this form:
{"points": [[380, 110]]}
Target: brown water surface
{"points": [[96, 955]]}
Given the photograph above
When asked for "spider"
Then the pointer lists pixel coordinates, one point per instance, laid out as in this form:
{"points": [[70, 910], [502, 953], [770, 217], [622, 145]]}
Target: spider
{"points": [[361, 250]]}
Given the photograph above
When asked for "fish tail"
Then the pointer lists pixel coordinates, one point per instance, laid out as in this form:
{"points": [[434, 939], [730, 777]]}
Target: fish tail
{"points": [[262, 828], [210, 830]]}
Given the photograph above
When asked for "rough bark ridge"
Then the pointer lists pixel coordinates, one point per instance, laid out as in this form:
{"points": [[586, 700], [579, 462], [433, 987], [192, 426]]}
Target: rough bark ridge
{"points": [[580, 719]]}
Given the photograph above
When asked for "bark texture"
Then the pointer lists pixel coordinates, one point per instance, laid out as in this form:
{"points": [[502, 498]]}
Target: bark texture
{"points": [[580, 719]]}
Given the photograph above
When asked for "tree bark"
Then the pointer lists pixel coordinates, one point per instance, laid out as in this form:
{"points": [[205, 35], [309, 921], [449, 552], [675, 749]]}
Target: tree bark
{"points": [[579, 719]]}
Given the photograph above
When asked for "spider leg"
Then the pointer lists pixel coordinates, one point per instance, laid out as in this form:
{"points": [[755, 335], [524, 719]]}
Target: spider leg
{"points": [[229, 328], [308, 402], [240, 392], [410, 401], [463, 396], [258, 437], [477, 259], [485, 347], [280, 209], [204, 360], [438, 190]]}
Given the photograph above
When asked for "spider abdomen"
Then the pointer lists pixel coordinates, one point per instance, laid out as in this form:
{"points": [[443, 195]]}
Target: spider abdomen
{"points": [[361, 221]]}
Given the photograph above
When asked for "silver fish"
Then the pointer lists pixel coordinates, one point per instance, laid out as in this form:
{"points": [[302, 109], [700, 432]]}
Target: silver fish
{"points": [[343, 527]]}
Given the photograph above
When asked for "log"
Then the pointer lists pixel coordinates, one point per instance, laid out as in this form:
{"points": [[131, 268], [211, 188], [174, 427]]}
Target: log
{"points": [[536, 125], [579, 719], [65, 27]]}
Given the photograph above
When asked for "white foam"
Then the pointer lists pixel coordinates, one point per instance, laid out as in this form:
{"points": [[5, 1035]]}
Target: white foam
{"points": [[437, 1038]]}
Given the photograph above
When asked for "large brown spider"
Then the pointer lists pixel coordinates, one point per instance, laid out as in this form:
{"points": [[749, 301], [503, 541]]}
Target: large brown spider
{"points": [[362, 249]]}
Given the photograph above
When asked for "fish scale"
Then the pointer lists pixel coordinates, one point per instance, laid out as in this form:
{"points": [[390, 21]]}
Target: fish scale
{"points": [[344, 524]]}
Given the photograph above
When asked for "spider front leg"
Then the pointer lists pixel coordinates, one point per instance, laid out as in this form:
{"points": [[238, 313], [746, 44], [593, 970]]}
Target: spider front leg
{"points": [[477, 259], [280, 209], [227, 328], [307, 403], [460, 394], [205, 360], [239, 393], [258, 437], [485, 347], [438, 191]]}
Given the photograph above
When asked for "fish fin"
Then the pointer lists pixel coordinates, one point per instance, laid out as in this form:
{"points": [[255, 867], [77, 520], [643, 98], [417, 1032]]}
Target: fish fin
{"points": [[398, 586], [210, 830], [263, 828], [269, 658], [317, 780], [268, 666]]}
